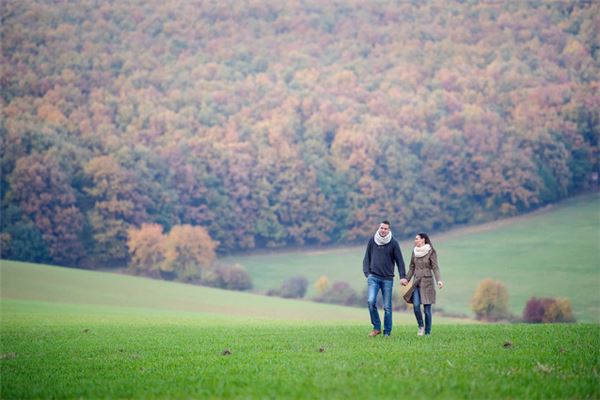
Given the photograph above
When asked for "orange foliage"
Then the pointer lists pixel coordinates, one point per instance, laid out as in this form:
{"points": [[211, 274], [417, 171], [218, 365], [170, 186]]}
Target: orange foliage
{"points": [[147, 247], [188, 250]]}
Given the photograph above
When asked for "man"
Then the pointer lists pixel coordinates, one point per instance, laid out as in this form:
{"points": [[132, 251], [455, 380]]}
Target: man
{"points": [[378, 266]]}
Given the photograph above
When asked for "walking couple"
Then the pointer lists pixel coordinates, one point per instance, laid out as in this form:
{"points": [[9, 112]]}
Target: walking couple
{"points": [[383, 252]]}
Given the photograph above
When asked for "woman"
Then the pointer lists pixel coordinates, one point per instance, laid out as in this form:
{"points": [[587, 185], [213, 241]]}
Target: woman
{"points": [[423, 267]]}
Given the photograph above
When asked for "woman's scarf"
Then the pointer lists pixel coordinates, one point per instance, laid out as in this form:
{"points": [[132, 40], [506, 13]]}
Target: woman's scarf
{"points": [[380, 240], [422, 251]]}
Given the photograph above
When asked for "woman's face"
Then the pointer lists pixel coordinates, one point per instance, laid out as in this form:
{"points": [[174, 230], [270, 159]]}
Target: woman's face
{"points": [[419, 241]]}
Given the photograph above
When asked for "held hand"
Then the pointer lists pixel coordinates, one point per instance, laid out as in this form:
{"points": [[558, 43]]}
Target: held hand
{"points": [[403, 282], [440, 284]]}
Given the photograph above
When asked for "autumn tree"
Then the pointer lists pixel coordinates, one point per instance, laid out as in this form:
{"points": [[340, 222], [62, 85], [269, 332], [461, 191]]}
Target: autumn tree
{"points": [[45, 198], [188, 251], [490, 301], [322, 284], [20, 238], [117, 205], [147, 249]]}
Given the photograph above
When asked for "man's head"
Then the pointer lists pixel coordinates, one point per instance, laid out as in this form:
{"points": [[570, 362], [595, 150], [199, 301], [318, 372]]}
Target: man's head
{"points": [[384, 228]]}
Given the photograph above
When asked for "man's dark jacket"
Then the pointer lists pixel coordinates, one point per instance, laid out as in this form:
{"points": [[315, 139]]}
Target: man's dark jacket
{"points": [[379, 260]]}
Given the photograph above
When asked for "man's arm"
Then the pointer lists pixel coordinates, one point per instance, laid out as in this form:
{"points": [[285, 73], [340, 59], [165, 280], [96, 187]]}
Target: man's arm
{"points": [[367, 260], [411, 268], [399, 261]]}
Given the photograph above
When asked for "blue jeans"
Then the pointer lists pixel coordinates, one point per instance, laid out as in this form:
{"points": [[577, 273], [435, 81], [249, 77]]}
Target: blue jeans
{"points": [[385, 285], [416, 298]]}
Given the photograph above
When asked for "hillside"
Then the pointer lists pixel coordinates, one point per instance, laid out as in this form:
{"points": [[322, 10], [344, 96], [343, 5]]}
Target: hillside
{"points": [[275, 124], [551, 253], [31, 287]]}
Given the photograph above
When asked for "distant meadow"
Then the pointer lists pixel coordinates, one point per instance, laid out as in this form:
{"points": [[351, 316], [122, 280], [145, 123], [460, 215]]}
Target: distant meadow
{"points": [[553, 253]]}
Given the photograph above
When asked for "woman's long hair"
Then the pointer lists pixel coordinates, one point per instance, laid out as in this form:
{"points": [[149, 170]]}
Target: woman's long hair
{"points": [[425, 236]]}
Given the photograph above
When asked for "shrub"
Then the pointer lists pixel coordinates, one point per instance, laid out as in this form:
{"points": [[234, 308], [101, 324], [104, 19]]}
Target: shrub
{"points": [[236, 278], [490, 302], [213, 277], [339, 293], [563, 313], [294, 287], [233, 277], [534, 311], [398, 303], [548, 310]]}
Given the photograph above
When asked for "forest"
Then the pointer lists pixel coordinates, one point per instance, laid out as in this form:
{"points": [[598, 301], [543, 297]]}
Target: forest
{"points": [[265, 124]]}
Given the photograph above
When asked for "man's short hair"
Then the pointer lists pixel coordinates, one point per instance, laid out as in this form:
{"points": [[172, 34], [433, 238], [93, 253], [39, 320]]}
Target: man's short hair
{"points": [[387, 223]]}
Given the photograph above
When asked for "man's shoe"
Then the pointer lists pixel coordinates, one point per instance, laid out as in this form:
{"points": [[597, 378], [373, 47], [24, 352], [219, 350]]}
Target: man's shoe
{"points": [[421, 331], [374, 333]]}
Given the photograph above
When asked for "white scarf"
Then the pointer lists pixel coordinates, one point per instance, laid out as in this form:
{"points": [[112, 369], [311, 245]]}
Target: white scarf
{"points": [[422, 251], [380, 240]]}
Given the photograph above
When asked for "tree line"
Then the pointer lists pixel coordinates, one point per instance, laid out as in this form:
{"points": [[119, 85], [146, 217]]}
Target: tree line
{"points": [[269, 124]]}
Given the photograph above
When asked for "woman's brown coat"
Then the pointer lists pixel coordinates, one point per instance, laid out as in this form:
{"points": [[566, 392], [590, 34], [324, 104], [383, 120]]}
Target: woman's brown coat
{"points": [[423, 269]]}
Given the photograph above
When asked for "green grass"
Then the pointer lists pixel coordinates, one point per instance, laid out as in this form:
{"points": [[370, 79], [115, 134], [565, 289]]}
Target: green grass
{"points": [[553, 253], [51, 350]]}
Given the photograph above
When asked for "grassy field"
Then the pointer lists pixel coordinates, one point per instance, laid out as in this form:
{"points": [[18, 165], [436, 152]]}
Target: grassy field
{"points": [[67, 333], [52, 350], [552, 253]]}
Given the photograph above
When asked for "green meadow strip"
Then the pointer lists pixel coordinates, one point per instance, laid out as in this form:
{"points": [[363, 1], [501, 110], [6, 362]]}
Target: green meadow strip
{"points": [[65, 351]]}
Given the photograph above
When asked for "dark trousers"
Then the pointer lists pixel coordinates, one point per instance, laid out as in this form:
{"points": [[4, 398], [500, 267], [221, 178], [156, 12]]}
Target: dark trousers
{"points": [[417, 308]]}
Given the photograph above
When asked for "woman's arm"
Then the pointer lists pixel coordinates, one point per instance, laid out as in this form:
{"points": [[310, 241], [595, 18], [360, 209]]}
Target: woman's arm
{"points": [[436, 269]]}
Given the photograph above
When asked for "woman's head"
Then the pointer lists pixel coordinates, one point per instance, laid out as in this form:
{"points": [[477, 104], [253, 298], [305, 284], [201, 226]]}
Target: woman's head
{"points": [[422, 239]]}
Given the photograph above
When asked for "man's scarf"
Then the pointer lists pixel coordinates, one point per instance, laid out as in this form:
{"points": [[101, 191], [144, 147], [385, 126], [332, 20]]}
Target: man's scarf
{"points": [[381, 240]]}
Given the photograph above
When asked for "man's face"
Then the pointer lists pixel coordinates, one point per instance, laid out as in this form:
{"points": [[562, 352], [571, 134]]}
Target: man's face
{"points": [[384, 229]]}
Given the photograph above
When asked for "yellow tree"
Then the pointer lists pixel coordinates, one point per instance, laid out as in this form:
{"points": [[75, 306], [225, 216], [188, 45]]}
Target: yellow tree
{"points": [[490, 301], [322, 284], [188, 251], [147, 249]]}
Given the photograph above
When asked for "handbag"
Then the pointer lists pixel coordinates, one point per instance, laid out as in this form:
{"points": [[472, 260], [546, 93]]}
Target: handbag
{"points": [[408, 295]]}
